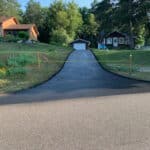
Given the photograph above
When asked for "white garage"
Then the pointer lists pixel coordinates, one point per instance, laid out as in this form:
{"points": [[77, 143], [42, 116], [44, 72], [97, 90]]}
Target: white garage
{"points": [[80, 44]]}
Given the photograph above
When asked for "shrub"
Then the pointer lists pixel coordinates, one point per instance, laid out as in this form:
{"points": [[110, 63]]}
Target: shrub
{"points": [[11, 62], [21, 60], [23, 35], [3, 82], [2, 72], [60, 36], [16, 71], [10, 38]]}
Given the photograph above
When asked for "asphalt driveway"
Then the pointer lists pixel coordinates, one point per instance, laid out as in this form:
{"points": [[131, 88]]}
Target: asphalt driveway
{"points": [[81, 77], [82, 108]]}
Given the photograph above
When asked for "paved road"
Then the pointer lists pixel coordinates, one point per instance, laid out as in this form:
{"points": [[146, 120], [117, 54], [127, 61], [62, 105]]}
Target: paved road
{"points": [[81, 77], [83, 107]]}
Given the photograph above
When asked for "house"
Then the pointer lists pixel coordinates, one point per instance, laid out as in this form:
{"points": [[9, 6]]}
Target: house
{"points": [[114, 39], [80, 44], [12, 26]]}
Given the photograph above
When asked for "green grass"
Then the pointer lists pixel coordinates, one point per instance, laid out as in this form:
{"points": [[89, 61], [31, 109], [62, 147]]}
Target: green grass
{"points": [[118, 61], [25, 65]]}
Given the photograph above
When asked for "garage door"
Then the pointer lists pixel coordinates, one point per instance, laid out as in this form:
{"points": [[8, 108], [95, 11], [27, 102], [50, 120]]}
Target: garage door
{"points": [[79, 46]]}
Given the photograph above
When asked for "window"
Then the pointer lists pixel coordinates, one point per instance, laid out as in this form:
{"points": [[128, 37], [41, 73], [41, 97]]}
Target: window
{"points": [[109, 41], [121, 40]]}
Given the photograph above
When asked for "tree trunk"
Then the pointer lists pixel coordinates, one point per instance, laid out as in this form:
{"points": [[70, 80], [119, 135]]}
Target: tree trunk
{"points": [[131, 36]]}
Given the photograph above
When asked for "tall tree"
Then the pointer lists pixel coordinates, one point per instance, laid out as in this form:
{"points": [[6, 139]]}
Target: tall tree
{"points": [[63, 18], [128, 16], [134, 19], [10, 8], [37, 15], [103, 12], [33, 13], [89, 28], [75, 19]]}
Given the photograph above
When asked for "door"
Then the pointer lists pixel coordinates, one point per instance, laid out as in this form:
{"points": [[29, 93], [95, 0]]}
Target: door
{"points": [[79, 46], [115, 42]]}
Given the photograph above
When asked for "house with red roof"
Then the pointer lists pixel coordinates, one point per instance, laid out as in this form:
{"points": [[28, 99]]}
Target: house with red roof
{"points": [[12, 26]]}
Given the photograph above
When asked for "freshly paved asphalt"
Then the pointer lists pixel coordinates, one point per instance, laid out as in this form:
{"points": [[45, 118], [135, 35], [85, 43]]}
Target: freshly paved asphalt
{"points": [[81, 77], [83, 107]]}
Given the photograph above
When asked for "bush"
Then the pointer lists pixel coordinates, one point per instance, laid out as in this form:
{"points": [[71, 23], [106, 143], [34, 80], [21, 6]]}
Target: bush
{"points": [[10, 38], [60, 36], [2, 72], [23, 35], [16, 71], [140, 33], [21, 60]]}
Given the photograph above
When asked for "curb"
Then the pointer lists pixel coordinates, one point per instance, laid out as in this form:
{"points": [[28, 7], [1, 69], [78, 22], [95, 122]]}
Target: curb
{"points": [[36, 85], [130, 78]]}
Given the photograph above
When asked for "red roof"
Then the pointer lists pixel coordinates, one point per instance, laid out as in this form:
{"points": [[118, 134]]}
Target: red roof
{"points": [[4, 18], [22, 27]]}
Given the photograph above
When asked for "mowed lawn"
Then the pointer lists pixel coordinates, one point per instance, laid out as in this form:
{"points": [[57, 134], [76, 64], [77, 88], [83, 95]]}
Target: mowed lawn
{"points": [[120, 62], [25, 65]]}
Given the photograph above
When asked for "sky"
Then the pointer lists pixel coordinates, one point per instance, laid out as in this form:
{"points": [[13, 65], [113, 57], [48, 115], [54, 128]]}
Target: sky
{"points": [[81, 3]]}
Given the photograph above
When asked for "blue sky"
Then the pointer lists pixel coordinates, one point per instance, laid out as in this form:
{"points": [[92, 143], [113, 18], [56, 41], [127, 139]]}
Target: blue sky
{"points": [[81, 3]]}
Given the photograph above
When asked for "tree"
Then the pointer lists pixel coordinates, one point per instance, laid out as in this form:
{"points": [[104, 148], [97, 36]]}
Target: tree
{"points": [[134, 19], [75, 19], [60, 36], [89, 28], [103, 12], [129, 16], [35, 14], [10, 8], [63, 17]]}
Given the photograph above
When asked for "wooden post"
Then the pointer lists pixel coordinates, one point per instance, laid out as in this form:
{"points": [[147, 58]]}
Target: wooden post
{"points": [[130, 63]]}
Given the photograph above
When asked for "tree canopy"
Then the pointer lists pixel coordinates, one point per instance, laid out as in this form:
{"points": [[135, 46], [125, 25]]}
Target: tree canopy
{"points": [[129, 16], [62, 22], [10, 8]]}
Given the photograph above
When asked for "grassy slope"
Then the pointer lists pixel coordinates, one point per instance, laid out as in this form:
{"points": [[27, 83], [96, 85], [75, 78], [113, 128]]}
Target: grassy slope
{"points": [[118, 61], [50, 59]]}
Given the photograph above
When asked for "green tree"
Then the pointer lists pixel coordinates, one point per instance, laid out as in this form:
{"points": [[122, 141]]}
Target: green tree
{"points": [[10, 8], [75, 19], [134, 19], [63, 17], [89, 29], [129, 16], [103, 12], [60, 36], [35, 14]]}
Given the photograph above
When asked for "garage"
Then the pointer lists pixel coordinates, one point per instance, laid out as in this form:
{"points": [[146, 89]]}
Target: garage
{"points": [[80, 44]]}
